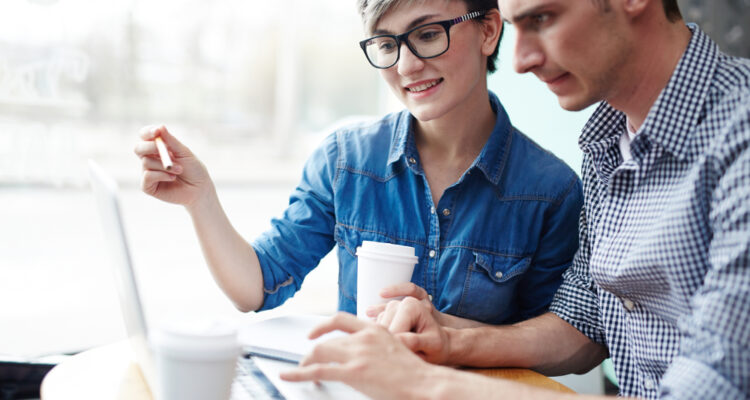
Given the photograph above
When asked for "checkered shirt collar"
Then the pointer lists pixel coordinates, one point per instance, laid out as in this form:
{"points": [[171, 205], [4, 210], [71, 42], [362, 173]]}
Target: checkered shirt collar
{"points": [[675, 111]]}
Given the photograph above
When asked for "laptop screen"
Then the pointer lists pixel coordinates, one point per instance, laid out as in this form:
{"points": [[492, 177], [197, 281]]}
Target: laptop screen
{"points": [[107, 200]]}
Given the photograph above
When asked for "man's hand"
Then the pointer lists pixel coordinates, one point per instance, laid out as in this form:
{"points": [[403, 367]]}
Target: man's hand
{"points": [[370, 360]]}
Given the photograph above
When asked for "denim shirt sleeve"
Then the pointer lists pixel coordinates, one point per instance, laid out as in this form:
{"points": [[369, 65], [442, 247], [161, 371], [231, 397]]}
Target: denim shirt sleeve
{"points": [[714, 359], [554, 255], [303, 235]]}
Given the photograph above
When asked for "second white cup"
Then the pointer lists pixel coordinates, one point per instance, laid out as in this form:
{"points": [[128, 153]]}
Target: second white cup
{"points": [[380, 265], [195, 361]]}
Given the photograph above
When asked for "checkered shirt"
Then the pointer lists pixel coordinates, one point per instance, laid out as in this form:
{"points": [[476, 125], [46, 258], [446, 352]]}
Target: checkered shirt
{"points": [[662, 275]]}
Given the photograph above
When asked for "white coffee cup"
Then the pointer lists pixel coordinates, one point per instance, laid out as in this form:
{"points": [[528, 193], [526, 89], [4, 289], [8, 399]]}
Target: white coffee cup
{"points": [[380, 265], [195, 360]]}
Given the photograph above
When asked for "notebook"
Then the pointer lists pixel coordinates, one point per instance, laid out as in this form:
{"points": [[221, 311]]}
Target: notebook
{"points": [[271, 346], [283, 338]]}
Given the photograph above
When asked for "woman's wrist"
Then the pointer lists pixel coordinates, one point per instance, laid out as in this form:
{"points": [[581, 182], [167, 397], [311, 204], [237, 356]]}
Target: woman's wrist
{"points": [[205, 202]]}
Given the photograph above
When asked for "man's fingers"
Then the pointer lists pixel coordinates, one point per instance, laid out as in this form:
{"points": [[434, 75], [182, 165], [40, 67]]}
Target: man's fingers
{"points": [[314, 372], [333, 350], [341, 349], [342, 321]]}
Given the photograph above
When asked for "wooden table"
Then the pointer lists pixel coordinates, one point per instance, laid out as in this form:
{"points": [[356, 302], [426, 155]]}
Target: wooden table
{"points": [[526, 376], [109, 372], [106, 372]]}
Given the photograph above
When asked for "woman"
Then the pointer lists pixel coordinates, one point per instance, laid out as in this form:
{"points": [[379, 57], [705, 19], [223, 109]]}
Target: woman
{"points": [[492, 216]]}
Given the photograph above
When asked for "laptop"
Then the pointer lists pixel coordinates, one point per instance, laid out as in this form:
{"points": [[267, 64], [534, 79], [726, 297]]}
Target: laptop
{"points": [[250, 381], [270, 346]]}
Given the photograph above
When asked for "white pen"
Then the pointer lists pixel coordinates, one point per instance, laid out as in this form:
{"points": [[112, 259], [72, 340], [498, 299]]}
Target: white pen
{"points": [[163, 153]]}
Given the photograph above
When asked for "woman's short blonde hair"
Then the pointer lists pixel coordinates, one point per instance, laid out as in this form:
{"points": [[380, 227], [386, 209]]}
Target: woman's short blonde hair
{"points": [[372, 10]]}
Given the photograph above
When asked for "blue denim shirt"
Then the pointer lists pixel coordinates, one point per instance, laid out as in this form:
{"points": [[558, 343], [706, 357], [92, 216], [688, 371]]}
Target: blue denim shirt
{"points": [[493, 249]]}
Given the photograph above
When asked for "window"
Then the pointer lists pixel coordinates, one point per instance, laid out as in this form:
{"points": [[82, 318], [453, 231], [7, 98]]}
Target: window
{"points": [[250, 86]]}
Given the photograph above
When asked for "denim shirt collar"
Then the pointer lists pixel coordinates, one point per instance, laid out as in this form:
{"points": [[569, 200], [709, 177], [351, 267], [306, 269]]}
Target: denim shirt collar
{"points": [[490, 161], [676, 110]]}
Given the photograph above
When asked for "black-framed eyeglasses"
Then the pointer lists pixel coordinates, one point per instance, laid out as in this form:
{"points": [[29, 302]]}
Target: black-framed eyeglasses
{"points": [[425, 41]]}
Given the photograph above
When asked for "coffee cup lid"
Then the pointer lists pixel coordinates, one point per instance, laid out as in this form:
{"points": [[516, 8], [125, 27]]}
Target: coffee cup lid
{"points": [[203, 339], [387, 250]]}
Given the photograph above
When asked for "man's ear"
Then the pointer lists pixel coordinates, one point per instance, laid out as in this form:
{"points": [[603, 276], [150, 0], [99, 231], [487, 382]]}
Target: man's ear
{"points": [[492, 28], [634, 8]]}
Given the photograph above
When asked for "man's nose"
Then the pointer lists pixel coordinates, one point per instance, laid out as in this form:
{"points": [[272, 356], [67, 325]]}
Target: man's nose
{"points": [[528, 55]]}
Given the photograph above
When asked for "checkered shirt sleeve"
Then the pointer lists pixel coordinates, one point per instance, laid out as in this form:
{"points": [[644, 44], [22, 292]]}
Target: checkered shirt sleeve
{"points": [[576, 301]]}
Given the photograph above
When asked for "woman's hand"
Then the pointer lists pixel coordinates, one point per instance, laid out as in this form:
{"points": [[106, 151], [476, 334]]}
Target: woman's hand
{"points": [[185, 183], [401, 291], [413, 322], [408, 289], [398, 292]]}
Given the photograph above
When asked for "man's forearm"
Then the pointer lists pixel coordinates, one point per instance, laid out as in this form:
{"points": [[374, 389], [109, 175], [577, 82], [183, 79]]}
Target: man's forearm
{"points": [[546, 344], [452, 321]]}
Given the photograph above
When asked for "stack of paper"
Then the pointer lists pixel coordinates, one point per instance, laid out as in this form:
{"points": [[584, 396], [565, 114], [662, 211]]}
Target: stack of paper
{"points": [[283, 338]]}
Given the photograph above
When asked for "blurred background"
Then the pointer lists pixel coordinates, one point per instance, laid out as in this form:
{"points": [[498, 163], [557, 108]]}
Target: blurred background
{"points": [[252, 87]]}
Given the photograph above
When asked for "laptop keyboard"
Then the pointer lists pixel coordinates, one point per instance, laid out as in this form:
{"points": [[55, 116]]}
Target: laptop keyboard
{"points": [[252, 383]]}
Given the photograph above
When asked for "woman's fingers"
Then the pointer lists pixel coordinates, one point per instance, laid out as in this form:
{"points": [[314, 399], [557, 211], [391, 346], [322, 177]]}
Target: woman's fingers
{"points": [[151, 180], [153, 164], [404, 289], [175, 147], [375, 310]]}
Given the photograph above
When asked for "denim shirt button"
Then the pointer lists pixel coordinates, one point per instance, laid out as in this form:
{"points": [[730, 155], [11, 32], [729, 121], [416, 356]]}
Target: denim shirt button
{"points": [[446, 212], [412, 160], [498, 274], [432, 210], [432, 253], [429, 296]]}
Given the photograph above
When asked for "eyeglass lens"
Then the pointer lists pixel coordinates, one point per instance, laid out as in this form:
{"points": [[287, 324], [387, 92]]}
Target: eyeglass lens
{"points": [[427, 41]]}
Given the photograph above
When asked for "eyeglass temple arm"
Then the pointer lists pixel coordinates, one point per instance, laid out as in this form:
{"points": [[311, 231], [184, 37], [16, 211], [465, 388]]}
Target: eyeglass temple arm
{"points": [[468, 16]]}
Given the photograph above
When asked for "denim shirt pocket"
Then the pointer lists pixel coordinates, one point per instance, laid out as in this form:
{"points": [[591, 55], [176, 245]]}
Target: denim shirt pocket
{"points": [[489, 292]]}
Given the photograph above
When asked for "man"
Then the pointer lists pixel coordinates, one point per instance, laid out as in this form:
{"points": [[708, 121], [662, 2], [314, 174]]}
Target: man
{"points": [[661, 281]]}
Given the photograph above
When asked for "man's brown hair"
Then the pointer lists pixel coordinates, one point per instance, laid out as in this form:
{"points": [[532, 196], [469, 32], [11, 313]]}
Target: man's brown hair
{"points": [[671, 9]]}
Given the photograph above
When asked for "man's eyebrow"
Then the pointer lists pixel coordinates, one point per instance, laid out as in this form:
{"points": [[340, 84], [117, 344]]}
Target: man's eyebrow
{"points": [[525, 14], [412, 24]]}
